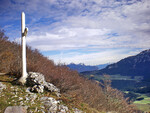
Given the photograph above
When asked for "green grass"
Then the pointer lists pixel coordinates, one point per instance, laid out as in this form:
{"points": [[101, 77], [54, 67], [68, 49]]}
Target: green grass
{"points": [[113, 77], [14, 95], [146, 100], [144, 104], [126, 92], [143, 107]]}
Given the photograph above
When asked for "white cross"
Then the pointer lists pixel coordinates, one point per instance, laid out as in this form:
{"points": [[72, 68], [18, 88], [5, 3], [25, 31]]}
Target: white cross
{"points": [[24, 31]]}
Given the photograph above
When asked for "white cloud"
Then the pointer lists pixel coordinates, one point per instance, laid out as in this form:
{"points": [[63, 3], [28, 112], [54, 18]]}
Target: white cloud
{"points": [[66, 38], [96, 58], [89, 25]]}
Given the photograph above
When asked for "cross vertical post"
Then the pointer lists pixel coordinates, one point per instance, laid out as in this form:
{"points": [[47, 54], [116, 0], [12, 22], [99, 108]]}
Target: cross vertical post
{"points": [[24, 30], [24, 70]]}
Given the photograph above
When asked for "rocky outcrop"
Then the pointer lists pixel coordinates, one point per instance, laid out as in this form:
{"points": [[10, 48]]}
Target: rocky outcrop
{"points": [[24, 99], [16, 109], [50, 104], [38, 83], [54, 106]]}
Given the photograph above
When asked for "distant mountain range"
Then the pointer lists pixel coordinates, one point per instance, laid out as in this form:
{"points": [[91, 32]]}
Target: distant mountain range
{"points": [[101, 66], [138, 65], [82, 67]]}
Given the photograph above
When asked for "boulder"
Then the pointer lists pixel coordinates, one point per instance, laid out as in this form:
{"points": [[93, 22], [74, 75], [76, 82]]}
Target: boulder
{"points": [[50, 87], [35, 78], [16, 109], [38, 83]]}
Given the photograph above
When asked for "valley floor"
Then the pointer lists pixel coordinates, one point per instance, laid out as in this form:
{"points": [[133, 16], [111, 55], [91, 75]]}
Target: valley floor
{"points": [[129, 86], [144, 103]]}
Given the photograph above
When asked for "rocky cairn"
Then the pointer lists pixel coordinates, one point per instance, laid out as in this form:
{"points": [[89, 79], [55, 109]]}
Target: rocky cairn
{"points": [[38, 84]]}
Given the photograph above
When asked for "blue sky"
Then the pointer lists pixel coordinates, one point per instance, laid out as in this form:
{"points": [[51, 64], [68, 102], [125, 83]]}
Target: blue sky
{"points": [[80, 31]]}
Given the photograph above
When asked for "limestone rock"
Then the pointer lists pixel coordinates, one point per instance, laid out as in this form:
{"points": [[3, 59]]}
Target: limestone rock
{"points": [[31, 97], [28, 90], [35, 78], [52, 88], [63, 109], [16, 109], [53, 106], [2, 86], [37, 89], [77, 110], [38, 83], [50, 104]]}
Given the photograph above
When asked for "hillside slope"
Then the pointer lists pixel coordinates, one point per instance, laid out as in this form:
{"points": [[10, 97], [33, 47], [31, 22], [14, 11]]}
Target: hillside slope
{"points": [[75, 89], [15, 97]]}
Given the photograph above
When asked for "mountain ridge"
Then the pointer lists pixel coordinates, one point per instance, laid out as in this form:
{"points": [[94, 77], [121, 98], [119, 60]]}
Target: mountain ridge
{"points": [[137, 65]]}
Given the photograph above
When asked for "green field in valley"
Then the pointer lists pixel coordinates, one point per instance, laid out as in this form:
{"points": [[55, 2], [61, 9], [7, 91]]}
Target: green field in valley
{"points": [[143, 104]]}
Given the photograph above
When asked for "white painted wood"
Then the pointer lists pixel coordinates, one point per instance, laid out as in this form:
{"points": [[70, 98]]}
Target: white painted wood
{"points": [[22, 80], [24, 67]]}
